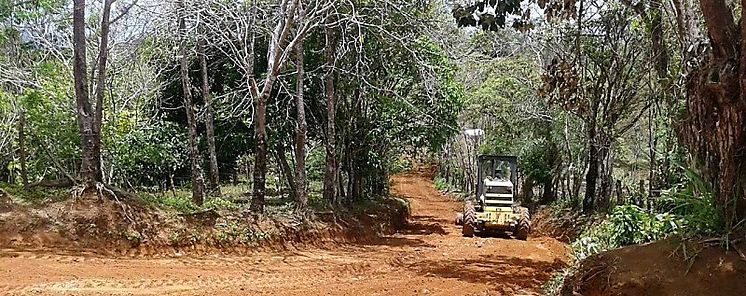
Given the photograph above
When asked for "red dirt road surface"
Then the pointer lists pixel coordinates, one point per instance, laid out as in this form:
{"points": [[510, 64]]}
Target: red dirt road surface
{"points": [[429, 257]]}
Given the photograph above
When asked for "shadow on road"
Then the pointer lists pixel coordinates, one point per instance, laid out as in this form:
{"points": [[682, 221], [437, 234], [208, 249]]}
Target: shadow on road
{"points": [[398, 242], [508, 273]]}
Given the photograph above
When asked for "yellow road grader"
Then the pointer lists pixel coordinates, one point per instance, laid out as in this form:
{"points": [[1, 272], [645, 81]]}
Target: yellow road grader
{"points": [[494, 207]]}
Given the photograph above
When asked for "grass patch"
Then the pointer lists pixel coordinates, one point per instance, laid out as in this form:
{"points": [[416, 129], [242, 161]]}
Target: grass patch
{"points": [[36, 195], [180, 200]]}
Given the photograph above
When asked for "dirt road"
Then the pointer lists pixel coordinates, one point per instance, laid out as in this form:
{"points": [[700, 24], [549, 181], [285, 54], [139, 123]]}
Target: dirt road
{"points": [[430, 257]]}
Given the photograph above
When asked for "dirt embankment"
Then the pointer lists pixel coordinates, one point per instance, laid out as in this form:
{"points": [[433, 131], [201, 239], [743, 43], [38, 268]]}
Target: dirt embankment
{"points": [[564, 225], [668, 267], [130, 226], [427, 257]]}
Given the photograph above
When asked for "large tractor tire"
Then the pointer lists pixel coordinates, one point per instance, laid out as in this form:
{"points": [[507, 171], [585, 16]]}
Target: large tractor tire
{"points": [[523, 228], [470, 220]]}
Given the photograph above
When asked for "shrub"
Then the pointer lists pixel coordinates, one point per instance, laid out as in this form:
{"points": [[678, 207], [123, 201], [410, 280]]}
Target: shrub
{"points": [[398, 165], [627, 225], [441, 184], [693, 201], [180, 202]]}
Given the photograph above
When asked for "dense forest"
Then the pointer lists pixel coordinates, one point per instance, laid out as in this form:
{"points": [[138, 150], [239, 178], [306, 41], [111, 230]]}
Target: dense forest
{"points": [[627, 114]]}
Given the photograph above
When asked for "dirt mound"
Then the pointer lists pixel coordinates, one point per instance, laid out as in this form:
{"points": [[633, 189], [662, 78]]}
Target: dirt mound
{"points": [[127, 226], [564, 225], [668, 267]]}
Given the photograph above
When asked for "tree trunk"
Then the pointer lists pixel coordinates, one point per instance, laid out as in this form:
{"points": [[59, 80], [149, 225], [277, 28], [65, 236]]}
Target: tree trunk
{"points": [[287, 172], [604, 173], [209, 122], [527, 189], [89, 123], [275, 61], [260, 158], [591, 176], [330, 174], [89, 160], [547, 195], [103, 55], [300, 132], [196, 165], [714, 127], [341, 194], [22, 147]]}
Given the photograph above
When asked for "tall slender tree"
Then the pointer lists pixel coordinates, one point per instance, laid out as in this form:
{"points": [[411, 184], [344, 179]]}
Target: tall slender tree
{"points": [[22, 147], [209, 121], [331, 172], [90, 119], [300, 131], [281, 45], [198, 187]]}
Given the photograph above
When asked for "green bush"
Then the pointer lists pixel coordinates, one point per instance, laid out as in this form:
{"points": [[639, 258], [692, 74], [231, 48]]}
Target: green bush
{"points": [[180, 202], [316, 163], [36, 195], [693, 200], [219, 203], [398, 165], [627, 225], [687, 209], [441, 184]]}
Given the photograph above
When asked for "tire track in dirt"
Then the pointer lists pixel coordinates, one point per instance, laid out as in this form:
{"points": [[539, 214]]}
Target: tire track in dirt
{"points": [[429, 257]]}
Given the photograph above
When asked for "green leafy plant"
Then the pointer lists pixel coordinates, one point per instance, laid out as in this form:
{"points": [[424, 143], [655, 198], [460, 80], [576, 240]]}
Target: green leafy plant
{"points": [[693, 200], [180, 202], [441, 184], [627, 225]]}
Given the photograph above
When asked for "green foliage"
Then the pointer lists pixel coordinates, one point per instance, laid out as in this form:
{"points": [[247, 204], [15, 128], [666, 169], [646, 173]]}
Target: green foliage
{"points": [[316, 162], [441, 184], [694, 201], [475, 14], [536, 162], [145, 155], [687, 209], [180, 202], [418, 112], [627, 225], [553, 286], [399, 164], [16, 12], [36, 195], [220, 203], [51, 123]]}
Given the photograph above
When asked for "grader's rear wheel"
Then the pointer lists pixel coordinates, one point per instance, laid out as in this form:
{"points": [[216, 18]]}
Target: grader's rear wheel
{"points": [[523, 228], [470, 220]]}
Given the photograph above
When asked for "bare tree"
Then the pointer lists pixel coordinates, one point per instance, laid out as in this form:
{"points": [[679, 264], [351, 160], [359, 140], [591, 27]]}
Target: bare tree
{"points": [[331, 172], [89, 120], [196, 167], [300, 132], [209, 120], [279, 49], [602, 90]]}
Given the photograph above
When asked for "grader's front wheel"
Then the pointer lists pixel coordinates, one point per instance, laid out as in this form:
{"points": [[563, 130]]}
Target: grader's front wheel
{"points": [[470, 220]]}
